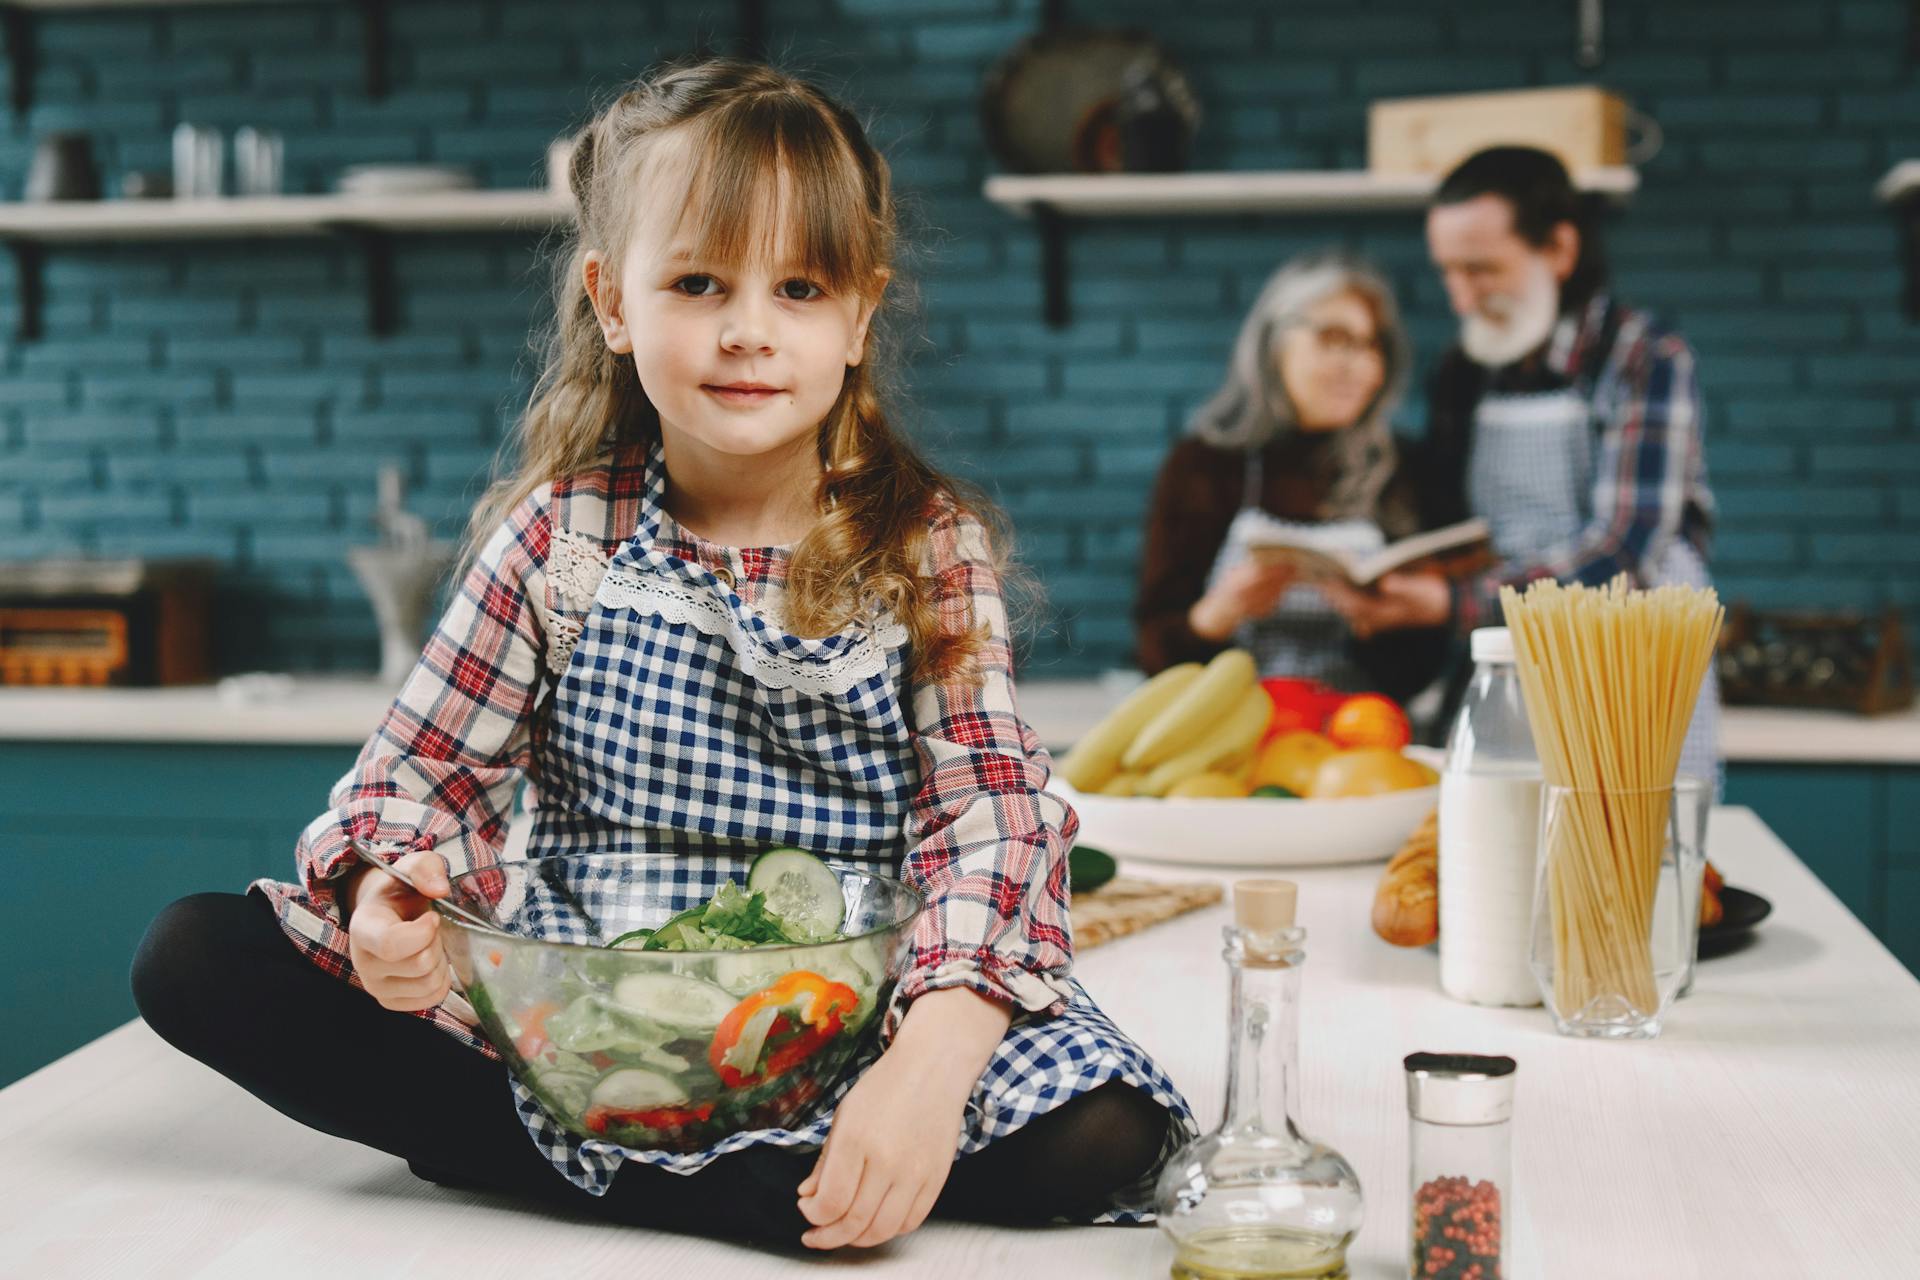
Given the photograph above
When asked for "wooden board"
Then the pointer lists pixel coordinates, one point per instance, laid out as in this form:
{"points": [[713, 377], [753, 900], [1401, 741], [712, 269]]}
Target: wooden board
{"points": [[1585, 126], [1126, 905]]}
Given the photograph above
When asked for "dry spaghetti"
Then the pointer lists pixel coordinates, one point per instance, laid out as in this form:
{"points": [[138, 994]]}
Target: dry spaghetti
{"points": [[1610, 676]]}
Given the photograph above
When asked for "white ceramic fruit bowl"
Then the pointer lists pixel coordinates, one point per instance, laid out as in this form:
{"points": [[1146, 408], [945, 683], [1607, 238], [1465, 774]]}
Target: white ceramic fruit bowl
{"points": [[1254, 831]]}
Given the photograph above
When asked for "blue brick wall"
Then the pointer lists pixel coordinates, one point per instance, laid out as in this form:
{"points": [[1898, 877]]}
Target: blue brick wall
{"points": [[227, 400]]}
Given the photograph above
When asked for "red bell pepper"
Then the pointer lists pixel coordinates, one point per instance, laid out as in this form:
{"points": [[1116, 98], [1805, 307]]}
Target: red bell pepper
{"points": [[600, 1119], [801, 1001]]}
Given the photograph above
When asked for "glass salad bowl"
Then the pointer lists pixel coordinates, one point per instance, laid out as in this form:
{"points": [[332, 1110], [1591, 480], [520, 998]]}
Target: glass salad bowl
{"points": [[641, 1010]]}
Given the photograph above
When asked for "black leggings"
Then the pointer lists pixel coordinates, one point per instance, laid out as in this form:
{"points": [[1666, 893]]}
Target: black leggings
{"points": [[219, 981]]}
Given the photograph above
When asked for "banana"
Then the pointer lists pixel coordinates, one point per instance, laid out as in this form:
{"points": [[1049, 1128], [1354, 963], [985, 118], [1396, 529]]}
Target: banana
{"points": [[1093, 760], [1241, 730], [1191, 717], [1122, 784]]}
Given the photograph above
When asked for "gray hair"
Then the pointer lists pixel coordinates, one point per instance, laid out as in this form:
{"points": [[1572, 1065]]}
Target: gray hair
{"points": [[1252, 409]]}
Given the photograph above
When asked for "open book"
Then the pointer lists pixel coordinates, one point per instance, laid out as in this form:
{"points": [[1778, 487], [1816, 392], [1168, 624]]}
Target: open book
{"points": [[1457, 549]]}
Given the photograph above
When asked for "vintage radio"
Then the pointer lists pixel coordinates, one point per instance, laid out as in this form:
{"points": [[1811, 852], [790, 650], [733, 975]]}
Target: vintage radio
{"points": [[99, 622]]}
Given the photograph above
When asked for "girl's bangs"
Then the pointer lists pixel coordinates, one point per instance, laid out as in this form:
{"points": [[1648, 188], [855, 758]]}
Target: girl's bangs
{"points": [[778, 185]]}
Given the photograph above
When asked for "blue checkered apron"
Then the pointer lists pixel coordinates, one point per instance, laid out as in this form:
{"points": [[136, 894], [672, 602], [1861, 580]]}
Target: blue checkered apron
{"points": [[686, 722], [1530, 474], [1304, 636]]}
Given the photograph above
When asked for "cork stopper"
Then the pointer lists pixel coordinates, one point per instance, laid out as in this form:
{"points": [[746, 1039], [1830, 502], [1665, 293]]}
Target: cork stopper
{"points": [[1264, 906]]}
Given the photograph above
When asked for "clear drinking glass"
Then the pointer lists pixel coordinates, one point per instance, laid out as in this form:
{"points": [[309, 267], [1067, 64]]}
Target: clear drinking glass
{"points": [[1616, 907], [258, 161], [199, 157], [1695, 889]]}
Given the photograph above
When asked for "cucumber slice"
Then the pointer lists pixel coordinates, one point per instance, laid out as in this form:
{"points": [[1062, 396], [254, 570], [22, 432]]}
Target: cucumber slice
{"points": [[636, 1089], [1088, 868], [674, 1000], [745, 972], [569, 1090], [670, 931], [802, 890], [632, 940], [665, 1061]]}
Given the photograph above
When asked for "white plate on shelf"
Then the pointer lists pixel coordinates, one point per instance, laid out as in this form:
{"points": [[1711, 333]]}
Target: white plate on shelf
{"points": [[1254, 831]]}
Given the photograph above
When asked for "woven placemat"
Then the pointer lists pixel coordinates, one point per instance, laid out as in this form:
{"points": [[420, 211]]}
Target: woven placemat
{"points": [[1125, 905]]}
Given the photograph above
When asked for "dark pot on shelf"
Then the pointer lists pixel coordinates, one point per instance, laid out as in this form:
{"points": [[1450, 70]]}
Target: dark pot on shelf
{"points": [[63, 169], [1156, 118]]}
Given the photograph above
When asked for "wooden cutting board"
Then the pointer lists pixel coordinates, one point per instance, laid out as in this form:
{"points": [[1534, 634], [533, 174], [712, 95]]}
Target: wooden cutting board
{"points": [[1125, 905]]}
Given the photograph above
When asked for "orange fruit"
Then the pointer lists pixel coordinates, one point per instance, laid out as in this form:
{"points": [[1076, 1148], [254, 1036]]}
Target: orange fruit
{"points": [[1367, 771], [1369, 720], [1291, 761]]}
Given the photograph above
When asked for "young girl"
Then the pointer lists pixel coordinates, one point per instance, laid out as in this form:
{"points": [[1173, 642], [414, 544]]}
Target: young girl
{"points": [[727, 608]]}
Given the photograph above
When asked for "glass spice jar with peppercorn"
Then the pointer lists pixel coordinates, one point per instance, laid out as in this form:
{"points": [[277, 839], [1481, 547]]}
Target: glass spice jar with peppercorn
{"points": [[1461, 1111]]}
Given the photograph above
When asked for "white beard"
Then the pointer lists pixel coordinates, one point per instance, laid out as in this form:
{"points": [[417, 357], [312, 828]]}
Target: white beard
{"points": [[1513, 325]]}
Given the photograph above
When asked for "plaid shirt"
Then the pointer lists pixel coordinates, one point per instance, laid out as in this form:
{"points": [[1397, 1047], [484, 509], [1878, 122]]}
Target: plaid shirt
{"points": [[985, 842], [1649, 481]]}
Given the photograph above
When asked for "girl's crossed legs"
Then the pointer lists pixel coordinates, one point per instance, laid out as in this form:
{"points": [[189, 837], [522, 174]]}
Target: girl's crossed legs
{"points": [[219, 981]]}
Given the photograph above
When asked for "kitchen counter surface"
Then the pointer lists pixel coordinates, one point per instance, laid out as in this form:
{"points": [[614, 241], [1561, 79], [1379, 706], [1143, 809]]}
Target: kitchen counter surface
{"points": [[343, 711], [1769, 1133]]}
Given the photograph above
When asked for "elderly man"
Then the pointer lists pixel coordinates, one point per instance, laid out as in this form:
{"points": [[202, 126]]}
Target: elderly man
{"points": [[1568, 420]]}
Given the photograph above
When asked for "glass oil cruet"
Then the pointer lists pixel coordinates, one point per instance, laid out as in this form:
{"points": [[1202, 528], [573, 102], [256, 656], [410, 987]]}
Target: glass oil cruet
{"points": [[1257, 1197]]}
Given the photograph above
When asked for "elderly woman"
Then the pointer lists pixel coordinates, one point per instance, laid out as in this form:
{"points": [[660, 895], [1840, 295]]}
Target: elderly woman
{"points": [[1297, 440]]}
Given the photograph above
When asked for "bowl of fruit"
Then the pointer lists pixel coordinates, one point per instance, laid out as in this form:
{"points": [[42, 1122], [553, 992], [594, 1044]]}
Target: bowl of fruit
{"points": [[1209, 764], [640, 1009]]}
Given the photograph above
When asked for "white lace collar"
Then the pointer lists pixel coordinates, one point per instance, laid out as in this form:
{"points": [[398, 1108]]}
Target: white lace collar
{"points": [[642, 578]]}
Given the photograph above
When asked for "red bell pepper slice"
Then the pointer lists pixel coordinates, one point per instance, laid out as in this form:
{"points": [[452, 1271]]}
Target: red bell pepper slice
{"points": [[804, 1000], [600, 1119]]}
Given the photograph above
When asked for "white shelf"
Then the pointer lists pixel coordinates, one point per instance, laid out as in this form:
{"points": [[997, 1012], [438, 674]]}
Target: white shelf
{"points": [[94, 221], [75, 5], [1902, 181], [1120, 195]]}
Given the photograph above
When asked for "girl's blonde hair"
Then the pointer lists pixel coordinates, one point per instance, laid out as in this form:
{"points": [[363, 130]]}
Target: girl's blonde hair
{"points": [[759, 145], [1253, 408]]}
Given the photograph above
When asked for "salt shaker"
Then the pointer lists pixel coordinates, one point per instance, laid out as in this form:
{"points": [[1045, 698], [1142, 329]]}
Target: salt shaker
{"points": [[1489, 835], [1460, 1150]]}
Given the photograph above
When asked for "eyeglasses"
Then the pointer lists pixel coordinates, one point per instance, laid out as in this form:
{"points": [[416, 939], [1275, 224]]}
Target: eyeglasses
{"points": [[1337, 340]]}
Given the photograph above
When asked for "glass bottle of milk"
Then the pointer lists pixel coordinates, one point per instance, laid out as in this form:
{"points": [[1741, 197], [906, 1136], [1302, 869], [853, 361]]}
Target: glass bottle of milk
{"points": [[1489, 835]]}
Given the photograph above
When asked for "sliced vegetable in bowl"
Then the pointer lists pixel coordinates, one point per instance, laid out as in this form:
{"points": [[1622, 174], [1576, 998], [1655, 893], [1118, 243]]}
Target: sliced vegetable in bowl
{"points": [[801, 892], [737, 1012]]}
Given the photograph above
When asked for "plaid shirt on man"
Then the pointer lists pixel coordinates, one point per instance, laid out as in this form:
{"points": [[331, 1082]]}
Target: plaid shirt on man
{"points": [[1649, 477]]}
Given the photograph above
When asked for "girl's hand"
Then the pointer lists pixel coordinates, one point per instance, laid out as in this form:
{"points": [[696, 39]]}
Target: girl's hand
{"points": [[886, 1159], [895, 1133], [393, 937], [1246, 591]]}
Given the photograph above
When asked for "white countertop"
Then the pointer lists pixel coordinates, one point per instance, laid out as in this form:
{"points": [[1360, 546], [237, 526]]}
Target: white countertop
{"points": [[1770, 1133], [343, 712]]}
